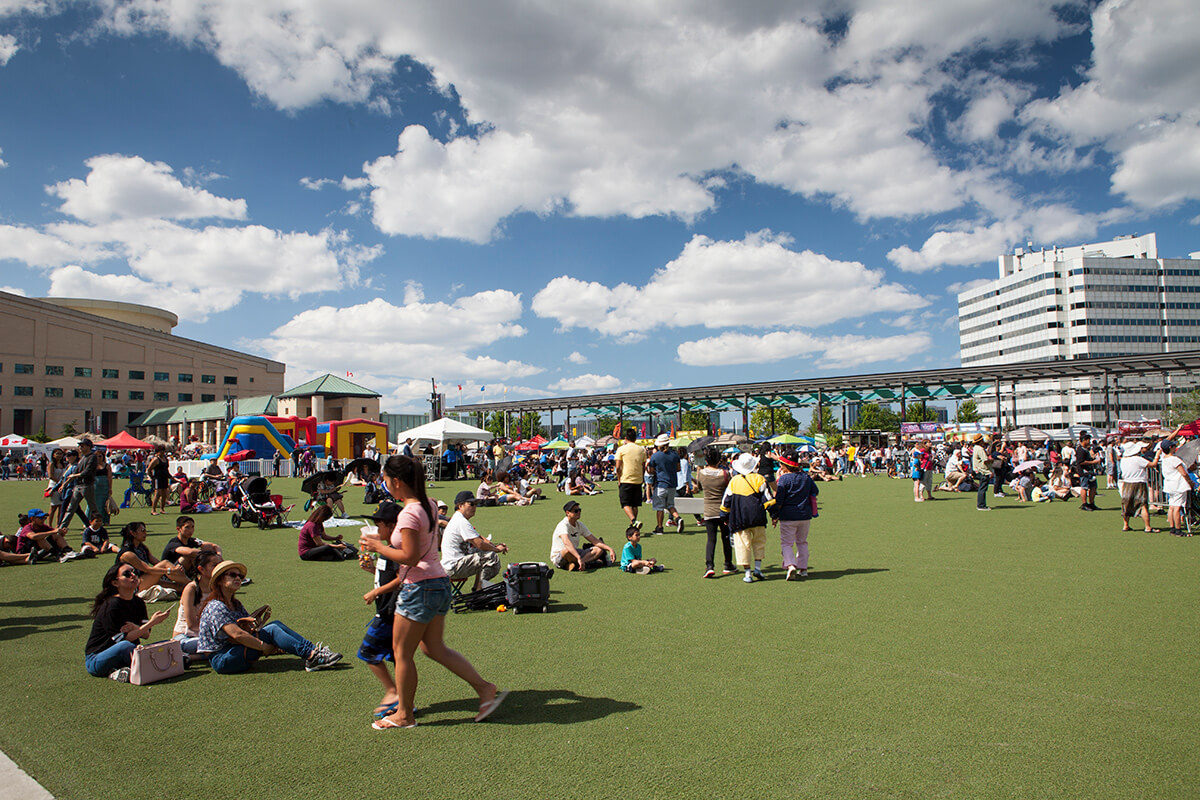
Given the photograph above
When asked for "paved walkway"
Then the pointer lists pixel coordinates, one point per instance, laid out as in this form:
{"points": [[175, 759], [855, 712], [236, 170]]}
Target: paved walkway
{"points": [[15, 784]]}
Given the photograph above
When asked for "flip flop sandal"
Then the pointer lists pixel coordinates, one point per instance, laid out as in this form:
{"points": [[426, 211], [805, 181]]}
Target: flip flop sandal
{"points": [[386, 711], [385, 723], [487, 709]]}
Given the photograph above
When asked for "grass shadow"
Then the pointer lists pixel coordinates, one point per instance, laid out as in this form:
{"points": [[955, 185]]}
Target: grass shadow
{"points": [[49, 601], [534, 707], [834, 574], [12, 632]]}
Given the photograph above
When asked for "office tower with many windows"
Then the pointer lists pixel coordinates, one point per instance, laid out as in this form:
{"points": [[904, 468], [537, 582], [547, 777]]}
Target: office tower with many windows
{"points": [[1087, 301]]}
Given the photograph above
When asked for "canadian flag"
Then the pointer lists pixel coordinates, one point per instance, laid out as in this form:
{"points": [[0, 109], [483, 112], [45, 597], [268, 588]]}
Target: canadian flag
{"points": [[349, 374]]}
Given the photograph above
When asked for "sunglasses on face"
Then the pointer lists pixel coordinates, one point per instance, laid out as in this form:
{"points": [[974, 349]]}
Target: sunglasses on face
{"points": [[129, 573], [235, 575]]}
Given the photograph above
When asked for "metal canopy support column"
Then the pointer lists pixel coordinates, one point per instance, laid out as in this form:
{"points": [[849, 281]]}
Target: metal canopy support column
{"points": [[820, 412], [621, 419], [1107, 409], [999, 422], [1117, 396], [745, 415], [550, 430], [903, 403], [1014, 394], [567, 426], [772, 416]]}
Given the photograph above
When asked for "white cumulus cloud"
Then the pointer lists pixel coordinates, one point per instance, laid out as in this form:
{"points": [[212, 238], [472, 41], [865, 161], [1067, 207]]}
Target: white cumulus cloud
{"points": [[588, 383], [829, 352], [129, 187], [758, 281], [577, 358]]}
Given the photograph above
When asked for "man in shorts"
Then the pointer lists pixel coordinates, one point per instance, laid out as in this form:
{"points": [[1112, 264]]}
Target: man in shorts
{"points": [[565, 550], [1084, 466], [664, 466], [631, 465]]}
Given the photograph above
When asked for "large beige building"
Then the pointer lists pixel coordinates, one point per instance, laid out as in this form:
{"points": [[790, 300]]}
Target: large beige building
{"points": [[98, 365]]}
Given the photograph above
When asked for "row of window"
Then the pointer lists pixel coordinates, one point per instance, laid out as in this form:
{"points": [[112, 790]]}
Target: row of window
{"points": [[1011, 334], [1009, 304], [1010, 288], [1124, 304], [1136, 273], [1011, 350], [115, 374], [1139, 340], [1023, 315], [112, 394]]}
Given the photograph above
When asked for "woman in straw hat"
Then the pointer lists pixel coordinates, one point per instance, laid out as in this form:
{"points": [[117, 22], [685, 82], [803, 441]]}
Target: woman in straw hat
{"points": [[235, 638]]}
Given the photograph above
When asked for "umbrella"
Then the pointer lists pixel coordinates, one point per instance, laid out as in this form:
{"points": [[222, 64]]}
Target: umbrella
{"points": [[806, 448], [309, 486], [681, 441], [1028, 433], [526, 447], [731, 450], [701, 443], [788, 438], [1188, 452], [368, 464], [1191, 429], [557, 444], [1024, 465]]}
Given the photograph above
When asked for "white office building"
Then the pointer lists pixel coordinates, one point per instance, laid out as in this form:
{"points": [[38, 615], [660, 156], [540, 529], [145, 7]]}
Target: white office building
{"points": [[1107, 299]]}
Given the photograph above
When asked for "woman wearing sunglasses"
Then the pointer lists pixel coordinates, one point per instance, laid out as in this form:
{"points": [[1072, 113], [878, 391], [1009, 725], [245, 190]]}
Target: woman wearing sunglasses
{"points": [[119, 621], [235, 638]]}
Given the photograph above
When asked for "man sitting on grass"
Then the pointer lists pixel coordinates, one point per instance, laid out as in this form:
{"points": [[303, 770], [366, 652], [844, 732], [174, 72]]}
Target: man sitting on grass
{"points": [[565, 552]]}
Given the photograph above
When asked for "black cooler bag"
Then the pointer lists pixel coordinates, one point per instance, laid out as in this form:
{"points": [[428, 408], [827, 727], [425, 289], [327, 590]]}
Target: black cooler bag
{"points": [[527, 586]]}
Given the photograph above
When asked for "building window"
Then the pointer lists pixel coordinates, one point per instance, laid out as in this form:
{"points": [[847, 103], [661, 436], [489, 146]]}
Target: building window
{"points": [[111, 373], [53, 391], [83, 394], [23, 369], [109, 394], [137, 395], [52, 370], [83, 372], [137, 375], [162, 376], [23, 391], [207, 398], [231, 380], [162, 397], [185, 377], [183, 397], [208, 378]]}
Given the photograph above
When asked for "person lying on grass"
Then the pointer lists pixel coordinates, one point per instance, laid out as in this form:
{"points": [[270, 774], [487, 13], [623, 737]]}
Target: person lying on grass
{"points": [[234, 638], [119, 622]]}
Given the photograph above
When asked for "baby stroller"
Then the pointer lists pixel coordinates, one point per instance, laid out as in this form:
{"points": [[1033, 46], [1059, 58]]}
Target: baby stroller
{"points": [[256, 505]]}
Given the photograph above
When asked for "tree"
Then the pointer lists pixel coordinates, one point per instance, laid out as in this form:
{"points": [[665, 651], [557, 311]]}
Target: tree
{"points": [[829, 427], [784, 422], [605, 425], [527, 426], [69, 429], [919, 412], [695, 421], [40, 436], [877, 417], [1184, 408], [968, 411]]}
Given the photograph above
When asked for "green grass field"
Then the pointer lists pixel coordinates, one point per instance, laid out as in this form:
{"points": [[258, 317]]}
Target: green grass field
{"points": [[935, 652]]}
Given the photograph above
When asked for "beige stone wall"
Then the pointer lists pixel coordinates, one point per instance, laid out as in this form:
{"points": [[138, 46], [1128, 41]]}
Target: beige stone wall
{"points": [[42, 335]]}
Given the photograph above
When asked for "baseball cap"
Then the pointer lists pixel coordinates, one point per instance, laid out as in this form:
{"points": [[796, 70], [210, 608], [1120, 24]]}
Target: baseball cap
{"points": [[571, 505], [387, 512], [464, 497]]}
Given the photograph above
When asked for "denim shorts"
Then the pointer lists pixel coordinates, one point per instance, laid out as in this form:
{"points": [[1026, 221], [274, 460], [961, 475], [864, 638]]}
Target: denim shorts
{"points": [[664, 498], [424, 600]]}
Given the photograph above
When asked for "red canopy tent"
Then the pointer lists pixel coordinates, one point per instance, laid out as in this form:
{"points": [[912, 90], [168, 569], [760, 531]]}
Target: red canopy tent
{"points": [[125, 441], [1191, 429]]}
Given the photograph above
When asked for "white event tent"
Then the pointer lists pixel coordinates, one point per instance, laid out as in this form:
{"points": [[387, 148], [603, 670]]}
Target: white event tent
{"points": [[444, 430]]}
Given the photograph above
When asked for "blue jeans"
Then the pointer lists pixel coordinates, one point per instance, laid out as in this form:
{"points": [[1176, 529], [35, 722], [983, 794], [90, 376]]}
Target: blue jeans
{"points": [[101, 664], [981, 495], [238, 658]]}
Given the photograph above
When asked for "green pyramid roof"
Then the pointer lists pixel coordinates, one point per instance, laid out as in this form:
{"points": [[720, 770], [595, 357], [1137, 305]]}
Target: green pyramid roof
{"points": [[330, 385]]}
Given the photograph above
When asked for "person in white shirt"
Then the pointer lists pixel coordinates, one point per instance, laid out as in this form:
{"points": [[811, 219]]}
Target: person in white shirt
{"points": [[565, 551], [464, 551], [1135, 495], [1176, 483]]}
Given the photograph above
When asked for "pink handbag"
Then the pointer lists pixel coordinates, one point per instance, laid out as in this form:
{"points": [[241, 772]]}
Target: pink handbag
{"points": [[156, 662]]}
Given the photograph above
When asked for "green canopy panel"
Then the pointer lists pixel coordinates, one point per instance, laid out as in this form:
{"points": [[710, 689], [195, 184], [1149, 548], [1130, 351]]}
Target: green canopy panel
{"points": [[882, 394], [919, 392]]}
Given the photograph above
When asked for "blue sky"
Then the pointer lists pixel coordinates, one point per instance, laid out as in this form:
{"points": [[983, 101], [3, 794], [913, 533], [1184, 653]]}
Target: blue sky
{"points": [[550, 198]]}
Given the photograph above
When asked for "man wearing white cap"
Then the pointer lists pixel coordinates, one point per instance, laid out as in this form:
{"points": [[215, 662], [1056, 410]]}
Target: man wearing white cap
{"points": [[664, 466], [1135, 494]]}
